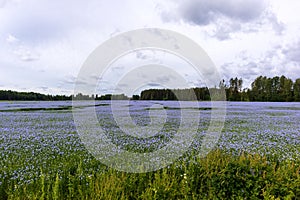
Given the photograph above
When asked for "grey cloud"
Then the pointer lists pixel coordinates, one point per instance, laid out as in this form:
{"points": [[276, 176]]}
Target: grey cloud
{"points": [[251, 65], [26, 54], [140, 55], [196, 83], [22, 51], [117, 68], [45, 21], [2, 3], [168, 16], [24, 88], [72, 80], [115, 32], [34, 28], [202, 12], [81, 82], [247, 71], [224, 29], [42, 71], [29, 57], [271, 63], [222, 34], [292, 52], [250, 69], [153, 84], [270, 54], [12, 39], [163, 79], [277, 26], [95, 77], [117, 91], [63, 91], [68, 82], [228, 17], [123, 85], [104, 91], [44, 88], [281, 60]]}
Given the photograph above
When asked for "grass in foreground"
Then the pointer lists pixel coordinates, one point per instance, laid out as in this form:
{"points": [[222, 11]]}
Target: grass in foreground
{"points": [[220, 175]]}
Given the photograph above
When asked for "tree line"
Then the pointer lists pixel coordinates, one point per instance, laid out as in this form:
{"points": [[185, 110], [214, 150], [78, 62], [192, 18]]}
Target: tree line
{"points": [[276, 89], [9, 95], [30, 96]]}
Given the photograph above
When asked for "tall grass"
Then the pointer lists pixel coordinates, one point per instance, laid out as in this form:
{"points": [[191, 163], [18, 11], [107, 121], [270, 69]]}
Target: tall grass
{"points": [[219, 175]]}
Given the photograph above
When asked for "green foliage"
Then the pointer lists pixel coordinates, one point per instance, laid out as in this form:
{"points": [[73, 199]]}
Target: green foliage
{"points": [[276, 89], [234, 90], [297, 90], [192, 94], [272, 89], [30, 96], [219, 175]]}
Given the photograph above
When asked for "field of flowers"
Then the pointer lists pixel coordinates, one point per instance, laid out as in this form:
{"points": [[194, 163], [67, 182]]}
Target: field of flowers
{"points": [[257, 155]]}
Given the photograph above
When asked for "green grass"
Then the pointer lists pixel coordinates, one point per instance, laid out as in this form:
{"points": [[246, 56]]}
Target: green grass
{"points": [[219, 175]]}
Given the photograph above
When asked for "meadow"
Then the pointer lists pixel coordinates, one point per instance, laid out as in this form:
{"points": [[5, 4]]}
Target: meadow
{"points": [[257, 155]]}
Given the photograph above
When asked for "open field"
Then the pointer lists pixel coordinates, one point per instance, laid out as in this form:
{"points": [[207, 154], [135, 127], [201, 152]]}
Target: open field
{"points": [[257, 155]]}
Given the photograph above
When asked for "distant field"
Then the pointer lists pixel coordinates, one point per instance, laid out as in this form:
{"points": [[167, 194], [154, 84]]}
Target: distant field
{"points": [[42, 155]]}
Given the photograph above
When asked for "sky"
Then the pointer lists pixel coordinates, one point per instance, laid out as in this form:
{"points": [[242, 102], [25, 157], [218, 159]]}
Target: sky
{"points": [[43, 43]]}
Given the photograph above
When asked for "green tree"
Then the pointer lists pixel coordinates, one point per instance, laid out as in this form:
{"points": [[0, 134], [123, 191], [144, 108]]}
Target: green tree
{"points": [[257, 93], [296, 88], [235, 89], [286, 89]]}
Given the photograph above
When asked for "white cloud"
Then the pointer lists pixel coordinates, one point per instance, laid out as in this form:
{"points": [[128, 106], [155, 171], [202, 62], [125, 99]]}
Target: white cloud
{"points": [[26, 54], [11, 39], [245, 38]]}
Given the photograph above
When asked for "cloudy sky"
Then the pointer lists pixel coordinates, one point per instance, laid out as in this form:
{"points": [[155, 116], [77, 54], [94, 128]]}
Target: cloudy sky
{"points": [[43, 44]]}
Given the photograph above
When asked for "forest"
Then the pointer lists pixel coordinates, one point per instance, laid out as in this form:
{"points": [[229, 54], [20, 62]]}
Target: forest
{"points": [[276, 89], [9, 95]]}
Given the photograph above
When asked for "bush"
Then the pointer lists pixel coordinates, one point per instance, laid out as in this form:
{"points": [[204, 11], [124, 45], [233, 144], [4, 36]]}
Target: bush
{"points": [[217, 176]]}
